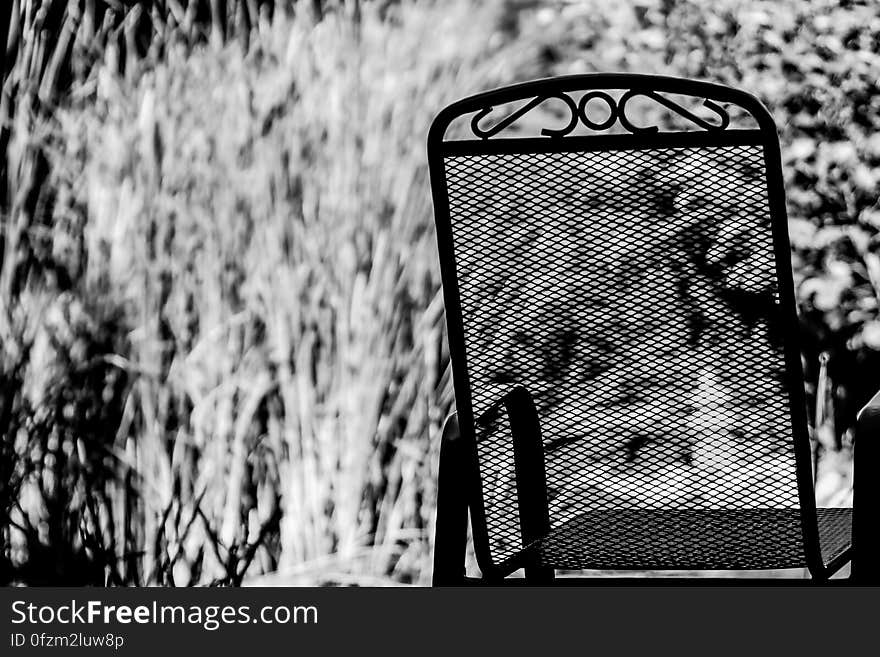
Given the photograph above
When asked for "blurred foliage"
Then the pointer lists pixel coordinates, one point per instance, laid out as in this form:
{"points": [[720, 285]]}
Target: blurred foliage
{"points": [[816, 65], [220, 323], [177, 359]]}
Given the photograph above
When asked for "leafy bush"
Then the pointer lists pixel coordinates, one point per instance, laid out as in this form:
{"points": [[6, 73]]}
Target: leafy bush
{"points": [[816, 65]]}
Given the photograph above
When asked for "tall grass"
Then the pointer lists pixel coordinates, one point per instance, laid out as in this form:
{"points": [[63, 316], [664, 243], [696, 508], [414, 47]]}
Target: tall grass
{"points": [[229, 359], [222, 356]]}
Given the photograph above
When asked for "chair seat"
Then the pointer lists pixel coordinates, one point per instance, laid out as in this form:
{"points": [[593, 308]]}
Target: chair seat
{"points": [[687, 539], [835, 533]]}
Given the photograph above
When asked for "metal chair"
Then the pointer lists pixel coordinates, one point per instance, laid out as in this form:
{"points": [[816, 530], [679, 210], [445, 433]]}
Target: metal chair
{"points": [[624, 339]]}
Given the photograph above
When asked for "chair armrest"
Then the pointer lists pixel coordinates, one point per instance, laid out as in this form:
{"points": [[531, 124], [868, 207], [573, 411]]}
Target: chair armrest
{"points": [[528, 453], [459, 483], [866, 494], [868, 419], [497, 397]]}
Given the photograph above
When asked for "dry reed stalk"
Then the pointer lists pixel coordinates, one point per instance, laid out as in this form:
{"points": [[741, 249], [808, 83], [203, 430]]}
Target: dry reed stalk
{"points": [[258, 227]]}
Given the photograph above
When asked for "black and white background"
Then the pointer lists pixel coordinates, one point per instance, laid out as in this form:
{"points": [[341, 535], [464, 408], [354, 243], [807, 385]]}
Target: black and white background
{"points": [[222, 348]]}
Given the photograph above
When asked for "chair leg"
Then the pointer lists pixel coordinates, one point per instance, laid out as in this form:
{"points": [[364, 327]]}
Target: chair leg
{"points": [[450, 532], [865, 567], [540, 575]]}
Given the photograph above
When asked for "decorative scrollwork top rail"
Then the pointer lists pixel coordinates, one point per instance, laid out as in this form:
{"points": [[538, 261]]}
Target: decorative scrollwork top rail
{"points": [[616, 113], [525, 109]]}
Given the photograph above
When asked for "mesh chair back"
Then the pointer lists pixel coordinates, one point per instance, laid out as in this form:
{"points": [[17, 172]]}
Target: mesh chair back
{"points": [[638, 284]]}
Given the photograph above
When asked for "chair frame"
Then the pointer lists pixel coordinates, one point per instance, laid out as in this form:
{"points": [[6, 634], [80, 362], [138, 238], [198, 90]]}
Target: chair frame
{"points": [[459, 485]]}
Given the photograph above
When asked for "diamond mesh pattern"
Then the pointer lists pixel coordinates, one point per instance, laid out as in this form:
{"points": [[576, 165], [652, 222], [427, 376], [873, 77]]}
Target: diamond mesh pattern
{"points": [[695, 539], [633, 293], [835, 532]]}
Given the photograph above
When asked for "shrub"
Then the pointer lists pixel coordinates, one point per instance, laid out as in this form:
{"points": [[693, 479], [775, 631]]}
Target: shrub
{"points": [[817, 66]]}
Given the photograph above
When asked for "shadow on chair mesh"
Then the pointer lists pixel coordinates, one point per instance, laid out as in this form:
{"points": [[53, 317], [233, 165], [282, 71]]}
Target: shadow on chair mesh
{"points": [[628, 272]]}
